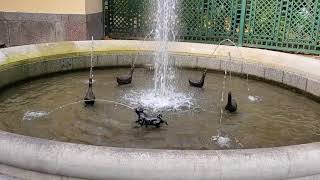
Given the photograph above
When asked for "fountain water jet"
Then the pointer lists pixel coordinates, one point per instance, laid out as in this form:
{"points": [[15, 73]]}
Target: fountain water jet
{"points": [[164, 96], [251, 97], [241, 57], [165, 23], [90, 97]]}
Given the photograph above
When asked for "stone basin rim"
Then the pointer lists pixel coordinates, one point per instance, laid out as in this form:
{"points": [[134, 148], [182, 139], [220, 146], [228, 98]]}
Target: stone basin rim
{"points": [[87, 161]]}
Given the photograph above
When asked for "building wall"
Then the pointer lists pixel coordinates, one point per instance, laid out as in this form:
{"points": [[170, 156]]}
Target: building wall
{"points": [[39, 21]]}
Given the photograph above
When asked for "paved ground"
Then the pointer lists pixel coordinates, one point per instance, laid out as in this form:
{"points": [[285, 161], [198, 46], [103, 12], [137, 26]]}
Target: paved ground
{"points": [[5, 177], [317, 57]]}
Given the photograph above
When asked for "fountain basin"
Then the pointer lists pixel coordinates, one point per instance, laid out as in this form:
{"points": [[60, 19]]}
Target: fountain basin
{"points": [[84, 161]]}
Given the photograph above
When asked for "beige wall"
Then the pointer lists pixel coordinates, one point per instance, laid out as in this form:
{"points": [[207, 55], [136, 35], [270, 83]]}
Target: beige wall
{"points": [[52, 6], [93, 6]]}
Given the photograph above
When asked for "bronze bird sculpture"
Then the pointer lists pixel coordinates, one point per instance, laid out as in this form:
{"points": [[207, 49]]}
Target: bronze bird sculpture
{"points": [[199, 84], [89, 98], [127, 79], [232, 104]]}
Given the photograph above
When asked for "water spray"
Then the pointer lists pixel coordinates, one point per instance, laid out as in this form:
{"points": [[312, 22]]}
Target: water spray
{"points": [[144, 40], [90, 97], [230, 78], [39, 114], [91, 59], [241, 57]]}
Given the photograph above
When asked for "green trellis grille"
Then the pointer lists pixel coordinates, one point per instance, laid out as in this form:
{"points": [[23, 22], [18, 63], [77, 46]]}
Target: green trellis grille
{"points": [[286, 25], [127, 18], [208, 20]]}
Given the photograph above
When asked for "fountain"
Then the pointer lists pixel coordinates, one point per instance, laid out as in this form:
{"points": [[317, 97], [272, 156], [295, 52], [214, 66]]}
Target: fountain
{"points": [[111, 121], [104, 142]]}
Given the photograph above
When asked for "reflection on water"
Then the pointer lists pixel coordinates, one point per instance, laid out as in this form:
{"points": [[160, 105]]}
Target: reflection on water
{"points": [[52, 108]]}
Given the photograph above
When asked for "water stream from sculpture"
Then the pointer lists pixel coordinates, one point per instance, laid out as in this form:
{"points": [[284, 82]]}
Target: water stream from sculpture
{"points": [[222, 138], [91, 58]]}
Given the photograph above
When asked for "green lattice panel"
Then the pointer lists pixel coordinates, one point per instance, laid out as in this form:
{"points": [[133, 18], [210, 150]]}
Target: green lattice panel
{"points": [[127, 18], [266, 17], [209, 20], [301, 22], [191, 18], [288, 25], [262, 22]]}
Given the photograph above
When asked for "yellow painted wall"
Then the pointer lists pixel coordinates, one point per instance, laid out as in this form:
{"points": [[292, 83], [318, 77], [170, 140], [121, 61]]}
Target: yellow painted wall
{"points": [[52, 6], [93, 6]]}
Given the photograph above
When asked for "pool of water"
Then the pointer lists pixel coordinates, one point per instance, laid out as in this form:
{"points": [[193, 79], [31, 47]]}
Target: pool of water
{"points": [[50, 108]]}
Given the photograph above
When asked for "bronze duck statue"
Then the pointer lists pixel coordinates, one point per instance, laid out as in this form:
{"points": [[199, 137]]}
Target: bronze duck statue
{"points": [[232, 104], [199, 84], [90, 98], [2, 45], [127, 79]]}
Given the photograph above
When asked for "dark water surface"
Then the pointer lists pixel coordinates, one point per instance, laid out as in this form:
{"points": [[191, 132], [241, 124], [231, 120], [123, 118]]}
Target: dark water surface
{"points": [[268, 116]]}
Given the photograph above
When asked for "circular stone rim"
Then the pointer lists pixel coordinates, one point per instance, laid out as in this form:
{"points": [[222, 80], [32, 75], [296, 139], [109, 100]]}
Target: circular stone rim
{"points": [[93, 162]]}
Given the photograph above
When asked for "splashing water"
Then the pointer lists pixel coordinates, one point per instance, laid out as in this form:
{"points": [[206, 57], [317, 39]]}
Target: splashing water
{"points": [[31, 115], [221, 141], [164, 96], [254, 98], [152, 101], [224, 140]]}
